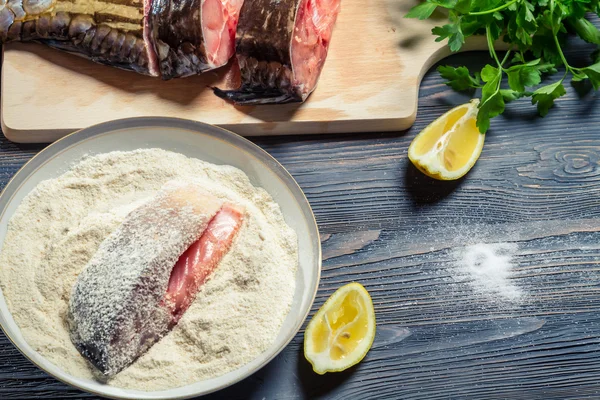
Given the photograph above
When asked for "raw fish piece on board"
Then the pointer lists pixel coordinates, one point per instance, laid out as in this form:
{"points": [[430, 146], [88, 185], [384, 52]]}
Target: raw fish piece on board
{"points": [[281, 49], [185, 47], [166, 38], [121, 304], [83, 28]]}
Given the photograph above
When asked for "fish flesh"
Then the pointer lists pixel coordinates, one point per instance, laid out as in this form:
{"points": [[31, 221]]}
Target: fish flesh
{"points": [[166, 38], [201, 259], [281, 48], [147, 272]]}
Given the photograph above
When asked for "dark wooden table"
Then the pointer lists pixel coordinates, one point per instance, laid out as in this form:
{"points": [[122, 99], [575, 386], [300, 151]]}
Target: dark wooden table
{"points": [[385, 225]]}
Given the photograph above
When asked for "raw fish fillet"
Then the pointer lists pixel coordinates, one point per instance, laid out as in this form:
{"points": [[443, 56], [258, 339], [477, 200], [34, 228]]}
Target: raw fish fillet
{"points": [[281, 48], [166, 38], [122, 302]]}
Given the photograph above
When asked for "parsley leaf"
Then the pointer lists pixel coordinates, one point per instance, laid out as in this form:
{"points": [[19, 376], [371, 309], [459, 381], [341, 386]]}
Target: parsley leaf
{"points": [[593, 73], [489, 73], [525, 75], [510, 95], [460, 78], [544, 97], [578, 76], [543, 46], [492, 101], [586, 30], [523, 25], [463, 6], [451, 31], [422, 11]]}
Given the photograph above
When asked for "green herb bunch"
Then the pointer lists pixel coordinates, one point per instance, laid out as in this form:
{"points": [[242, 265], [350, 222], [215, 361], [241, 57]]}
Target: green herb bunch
{"points": [[535, 31]]}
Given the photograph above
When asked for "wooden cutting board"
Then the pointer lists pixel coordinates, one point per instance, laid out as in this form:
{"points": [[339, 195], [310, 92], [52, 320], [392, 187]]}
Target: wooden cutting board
{"points": [[370, 83]]}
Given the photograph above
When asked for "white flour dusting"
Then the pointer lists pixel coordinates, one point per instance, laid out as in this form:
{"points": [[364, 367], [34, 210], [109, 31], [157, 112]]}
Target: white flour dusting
{"points": [[488, 267], [59, 226]]}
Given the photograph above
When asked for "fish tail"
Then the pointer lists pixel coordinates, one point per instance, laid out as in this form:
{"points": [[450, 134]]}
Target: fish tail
{"points": [[255, 95]]}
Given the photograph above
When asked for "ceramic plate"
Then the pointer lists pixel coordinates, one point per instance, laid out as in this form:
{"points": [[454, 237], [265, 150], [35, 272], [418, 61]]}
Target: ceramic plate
{"points": [[196, 140]]}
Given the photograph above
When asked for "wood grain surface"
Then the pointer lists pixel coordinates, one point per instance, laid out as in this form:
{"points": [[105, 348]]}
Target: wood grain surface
{"points": [[537, 184], [370, 83]]}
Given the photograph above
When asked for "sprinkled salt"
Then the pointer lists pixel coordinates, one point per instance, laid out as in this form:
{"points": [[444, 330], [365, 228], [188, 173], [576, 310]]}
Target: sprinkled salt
{"points": [[487, 268]]}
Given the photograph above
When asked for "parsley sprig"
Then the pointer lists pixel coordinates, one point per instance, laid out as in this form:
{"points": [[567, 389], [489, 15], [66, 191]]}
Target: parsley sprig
{"points": [[535, 31]]}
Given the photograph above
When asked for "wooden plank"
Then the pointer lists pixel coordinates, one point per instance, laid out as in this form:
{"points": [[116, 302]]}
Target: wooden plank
{"points": [[370, 83], [384, 225]]}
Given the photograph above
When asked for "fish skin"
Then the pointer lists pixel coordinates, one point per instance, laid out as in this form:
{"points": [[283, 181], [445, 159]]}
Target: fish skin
{"points": [[178, 37], [263, 48], [78, 33], [116, 309]]}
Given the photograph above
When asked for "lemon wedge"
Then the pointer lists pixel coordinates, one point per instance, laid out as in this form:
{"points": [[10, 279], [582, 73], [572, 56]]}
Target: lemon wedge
{"points": [[342, 331], [449, 147]]}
